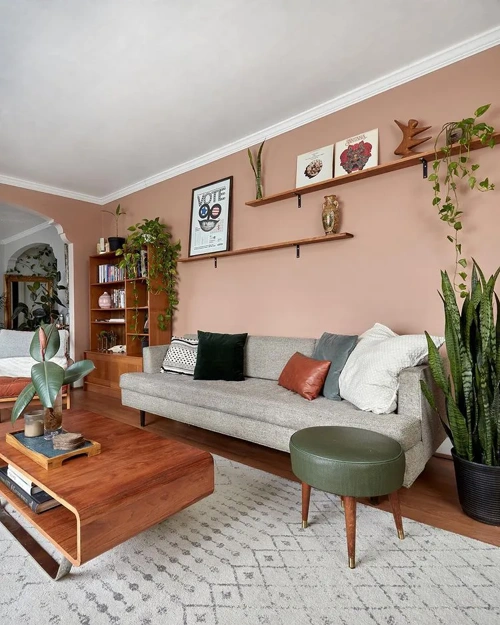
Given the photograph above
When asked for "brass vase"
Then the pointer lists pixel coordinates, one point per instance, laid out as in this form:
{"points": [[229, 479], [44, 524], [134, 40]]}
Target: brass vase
{"points": [[331, 214]]}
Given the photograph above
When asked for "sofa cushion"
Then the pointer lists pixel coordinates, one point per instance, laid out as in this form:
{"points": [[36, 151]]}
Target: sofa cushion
{"points": [[304, 375], [220, 356], [370, 378], [336, 348], [265, 401], [180, 356], [11, 387], [15, 343], [21, 367], [266, 356]]}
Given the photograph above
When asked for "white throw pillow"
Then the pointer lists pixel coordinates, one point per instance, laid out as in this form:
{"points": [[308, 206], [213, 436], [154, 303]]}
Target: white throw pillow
{"points": [[181, 356], [370, 378]]}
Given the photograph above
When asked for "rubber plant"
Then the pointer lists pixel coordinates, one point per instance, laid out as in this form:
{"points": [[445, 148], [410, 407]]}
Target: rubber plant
{"points": [[47, 377], [454, 167], [161, 275], [257, 170]]}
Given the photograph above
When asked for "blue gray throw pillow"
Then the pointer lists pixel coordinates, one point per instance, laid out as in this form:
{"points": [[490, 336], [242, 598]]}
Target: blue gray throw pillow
{"points": [[336, 348]]}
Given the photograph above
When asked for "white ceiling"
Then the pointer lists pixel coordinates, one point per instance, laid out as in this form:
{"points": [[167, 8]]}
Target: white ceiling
{"points": [[99, 95], [15, 222]]}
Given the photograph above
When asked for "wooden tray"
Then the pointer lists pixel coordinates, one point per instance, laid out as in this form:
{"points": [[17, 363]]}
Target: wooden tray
{"points": [[52, 462]]}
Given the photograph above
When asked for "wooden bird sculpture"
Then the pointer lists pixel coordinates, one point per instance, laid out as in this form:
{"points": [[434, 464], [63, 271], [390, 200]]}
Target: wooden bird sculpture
{"points": [[410, 130]]}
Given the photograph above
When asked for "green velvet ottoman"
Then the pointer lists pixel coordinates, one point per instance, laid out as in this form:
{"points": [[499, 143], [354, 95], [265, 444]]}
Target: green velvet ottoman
{"points": [[351, 463]]}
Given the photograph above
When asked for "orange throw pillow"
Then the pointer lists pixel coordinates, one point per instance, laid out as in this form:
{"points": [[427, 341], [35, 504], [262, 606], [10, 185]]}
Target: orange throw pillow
{"points": [[304, 375]]}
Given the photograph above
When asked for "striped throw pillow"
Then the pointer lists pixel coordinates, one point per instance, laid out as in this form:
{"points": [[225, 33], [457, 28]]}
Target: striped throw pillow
{"points": [[180, 356]]}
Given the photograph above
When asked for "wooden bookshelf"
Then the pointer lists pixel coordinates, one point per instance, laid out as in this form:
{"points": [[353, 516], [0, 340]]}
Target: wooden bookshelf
{"points": [[140, 305]]}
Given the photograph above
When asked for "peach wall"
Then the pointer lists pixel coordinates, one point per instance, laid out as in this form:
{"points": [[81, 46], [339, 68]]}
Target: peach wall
{"points": [[389, 271], [81, 223]]}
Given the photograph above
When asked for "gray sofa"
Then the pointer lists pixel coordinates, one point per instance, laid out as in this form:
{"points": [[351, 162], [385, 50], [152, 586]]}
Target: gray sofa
{"points": [[260, 411]]}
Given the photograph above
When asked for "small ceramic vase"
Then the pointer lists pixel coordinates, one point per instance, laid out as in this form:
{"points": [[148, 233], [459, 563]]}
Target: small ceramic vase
{"points": [[331, 214], [105, 300]]}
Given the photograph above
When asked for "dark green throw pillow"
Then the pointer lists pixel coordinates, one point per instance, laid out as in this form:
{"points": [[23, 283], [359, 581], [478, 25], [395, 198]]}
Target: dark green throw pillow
{"points": [[336, 348], [220, 356]]}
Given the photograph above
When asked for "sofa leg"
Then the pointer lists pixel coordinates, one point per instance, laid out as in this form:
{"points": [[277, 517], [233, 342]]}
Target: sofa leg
{"points": [[143, 418], [306, 497]]}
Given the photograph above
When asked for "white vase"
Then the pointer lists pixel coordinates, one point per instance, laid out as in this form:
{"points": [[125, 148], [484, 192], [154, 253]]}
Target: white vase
{"points": [[104, 300]]}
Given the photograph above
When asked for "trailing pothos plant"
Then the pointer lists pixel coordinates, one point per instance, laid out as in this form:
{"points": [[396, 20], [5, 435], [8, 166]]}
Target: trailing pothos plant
{"points": [[452, 167], [161, 275], [472, 390]]}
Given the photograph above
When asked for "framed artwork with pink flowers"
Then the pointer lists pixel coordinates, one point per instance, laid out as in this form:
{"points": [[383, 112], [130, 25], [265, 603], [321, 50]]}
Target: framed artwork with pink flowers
{"points": [[356, 153]]}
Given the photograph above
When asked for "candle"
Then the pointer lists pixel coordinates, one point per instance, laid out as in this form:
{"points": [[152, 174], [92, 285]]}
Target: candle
{"points": [[33, 424]]}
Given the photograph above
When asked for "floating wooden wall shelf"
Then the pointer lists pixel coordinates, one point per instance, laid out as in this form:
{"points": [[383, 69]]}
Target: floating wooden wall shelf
{"points": [[272, 246], [421, 158]]}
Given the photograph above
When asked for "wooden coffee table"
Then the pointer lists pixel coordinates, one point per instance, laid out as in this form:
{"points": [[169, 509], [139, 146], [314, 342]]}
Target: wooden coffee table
{"points": [[138, 480]]}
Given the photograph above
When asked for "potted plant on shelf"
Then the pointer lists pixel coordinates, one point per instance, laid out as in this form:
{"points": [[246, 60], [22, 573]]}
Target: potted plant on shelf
{"points": [[257, 170], [472, 388], [162, 256], [48, 378], [115, 243]]}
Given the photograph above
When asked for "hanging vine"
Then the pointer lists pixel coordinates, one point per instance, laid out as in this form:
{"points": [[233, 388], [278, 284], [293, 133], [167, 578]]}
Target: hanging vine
{"points": [[161, 274], [459, 166]]}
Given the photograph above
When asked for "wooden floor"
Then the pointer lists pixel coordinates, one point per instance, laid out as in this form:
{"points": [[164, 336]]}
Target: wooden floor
{"points": [[431, 500]]}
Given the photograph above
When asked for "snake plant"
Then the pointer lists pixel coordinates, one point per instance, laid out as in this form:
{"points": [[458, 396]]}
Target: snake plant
{"points": [[257, 170], [471, 389], [47, 377]]}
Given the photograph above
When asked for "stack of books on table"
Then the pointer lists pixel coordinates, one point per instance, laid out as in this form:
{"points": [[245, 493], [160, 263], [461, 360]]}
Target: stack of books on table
{"points": [[32, 495]]}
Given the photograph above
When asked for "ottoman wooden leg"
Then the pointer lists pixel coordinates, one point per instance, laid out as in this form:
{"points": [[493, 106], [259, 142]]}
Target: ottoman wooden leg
{"points": [[396, 512], [306, 497], [350, 527]]}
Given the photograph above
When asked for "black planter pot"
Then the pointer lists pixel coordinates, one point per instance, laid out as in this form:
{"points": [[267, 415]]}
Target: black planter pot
{"points": [[115, 243], [478, 488]]}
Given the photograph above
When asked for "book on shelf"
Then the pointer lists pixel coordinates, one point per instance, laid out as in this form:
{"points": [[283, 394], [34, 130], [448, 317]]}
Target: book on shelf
{"points": [[37, 502], [110, 273], [21, 480]]}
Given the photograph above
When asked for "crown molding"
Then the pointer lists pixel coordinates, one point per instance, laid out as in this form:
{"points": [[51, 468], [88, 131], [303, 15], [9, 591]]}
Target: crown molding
{"points": [[43, 188], [424, 66], [27, 233]]}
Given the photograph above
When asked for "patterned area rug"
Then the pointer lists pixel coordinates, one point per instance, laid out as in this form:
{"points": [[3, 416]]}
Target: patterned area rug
{"points": [[240, 557]]}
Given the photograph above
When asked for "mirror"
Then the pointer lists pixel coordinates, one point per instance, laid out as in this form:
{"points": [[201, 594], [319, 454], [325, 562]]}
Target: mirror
{"points": [[28, 302]]}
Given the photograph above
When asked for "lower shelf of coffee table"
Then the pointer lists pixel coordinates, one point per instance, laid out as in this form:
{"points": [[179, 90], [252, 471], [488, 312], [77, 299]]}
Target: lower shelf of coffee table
{"points": [[58, 525]]}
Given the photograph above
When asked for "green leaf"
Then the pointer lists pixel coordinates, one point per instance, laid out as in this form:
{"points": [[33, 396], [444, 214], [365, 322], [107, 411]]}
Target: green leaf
{"points": [[77, 371], [23, 399], [472, 182], [481, 110], [462, 262], [436, 366], [433, 177], [450, 239], [458, 225], [475, 167], [47, 378], [436, 200], [53, 343], [463, 275]]}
